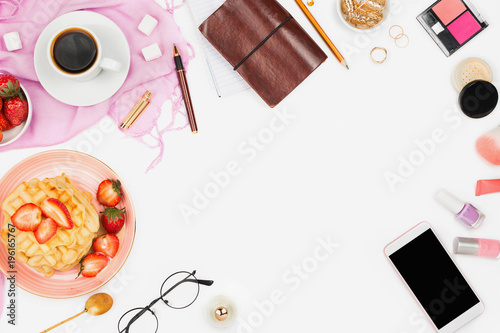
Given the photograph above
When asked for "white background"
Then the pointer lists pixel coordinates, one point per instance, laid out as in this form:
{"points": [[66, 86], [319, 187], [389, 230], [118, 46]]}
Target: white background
{"points": [[322, 176]]}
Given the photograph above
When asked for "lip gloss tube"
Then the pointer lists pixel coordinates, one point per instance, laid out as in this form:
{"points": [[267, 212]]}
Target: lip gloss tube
{"points": [[464, 212], [489, 248]]}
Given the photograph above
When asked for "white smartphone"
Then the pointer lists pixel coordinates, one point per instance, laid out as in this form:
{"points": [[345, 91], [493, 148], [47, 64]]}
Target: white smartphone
{"points": [[434, 279]]}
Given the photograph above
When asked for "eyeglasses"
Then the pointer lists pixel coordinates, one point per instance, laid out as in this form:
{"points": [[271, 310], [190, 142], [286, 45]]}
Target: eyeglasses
{"points": [[182, 289]]}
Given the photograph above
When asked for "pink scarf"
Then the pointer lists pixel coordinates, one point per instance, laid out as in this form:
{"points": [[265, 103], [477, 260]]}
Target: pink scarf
{"points": [[54, 122]]}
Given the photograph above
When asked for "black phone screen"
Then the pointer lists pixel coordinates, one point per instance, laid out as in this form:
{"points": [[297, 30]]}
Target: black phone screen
{"points": [[434, 279]]}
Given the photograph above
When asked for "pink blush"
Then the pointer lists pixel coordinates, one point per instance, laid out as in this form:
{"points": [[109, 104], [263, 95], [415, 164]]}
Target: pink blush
{"points": [[448, 10], [464, 27]]}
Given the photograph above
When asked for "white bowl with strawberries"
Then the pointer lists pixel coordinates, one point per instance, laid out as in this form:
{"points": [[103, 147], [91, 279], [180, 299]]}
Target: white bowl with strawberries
{"points": [[15, 109]]}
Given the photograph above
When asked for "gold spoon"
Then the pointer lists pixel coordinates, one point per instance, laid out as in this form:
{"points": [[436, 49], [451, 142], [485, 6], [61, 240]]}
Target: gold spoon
{"points": [[96, 305]]}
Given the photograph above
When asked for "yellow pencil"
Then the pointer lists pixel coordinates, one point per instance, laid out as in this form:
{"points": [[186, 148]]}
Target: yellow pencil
{"points": [[322, 33]]}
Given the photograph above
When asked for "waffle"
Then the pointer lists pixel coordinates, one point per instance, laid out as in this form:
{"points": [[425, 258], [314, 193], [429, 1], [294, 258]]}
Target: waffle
{"points": [[67, 247]]}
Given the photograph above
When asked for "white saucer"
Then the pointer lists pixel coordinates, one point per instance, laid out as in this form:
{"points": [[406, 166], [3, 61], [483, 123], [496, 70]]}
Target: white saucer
{"points": [[99, 89]]}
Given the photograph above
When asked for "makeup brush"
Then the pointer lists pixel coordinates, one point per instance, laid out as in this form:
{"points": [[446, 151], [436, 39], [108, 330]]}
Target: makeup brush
{"points": [[488, 146]]}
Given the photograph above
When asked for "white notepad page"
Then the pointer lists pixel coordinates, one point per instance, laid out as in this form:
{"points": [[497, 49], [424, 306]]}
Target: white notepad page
{"points": [[226, 80]]}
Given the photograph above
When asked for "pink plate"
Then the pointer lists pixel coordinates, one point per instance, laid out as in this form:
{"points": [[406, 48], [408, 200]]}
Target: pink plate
{"points": [[86, 172]]}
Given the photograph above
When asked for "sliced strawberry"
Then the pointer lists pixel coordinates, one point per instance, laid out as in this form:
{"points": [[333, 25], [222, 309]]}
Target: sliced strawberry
{"points": [[45, 231], [57, 211], [92, 264], [27, 218], [109, 192], [107, 244], [112, 219], [1, 136], [5, 125]]}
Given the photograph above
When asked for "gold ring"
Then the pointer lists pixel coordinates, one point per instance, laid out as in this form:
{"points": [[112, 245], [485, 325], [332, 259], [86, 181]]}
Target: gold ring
{"points": [[396, 26], [310, 2], [402, 46], [381, 61]]}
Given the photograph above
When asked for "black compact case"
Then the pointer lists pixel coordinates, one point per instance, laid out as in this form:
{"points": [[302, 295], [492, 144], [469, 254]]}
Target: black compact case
{"points": [[478, 99]]}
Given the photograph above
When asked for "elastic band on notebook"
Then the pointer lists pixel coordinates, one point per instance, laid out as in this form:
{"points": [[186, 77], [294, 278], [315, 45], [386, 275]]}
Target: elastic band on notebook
{"points": [[261, 43]]}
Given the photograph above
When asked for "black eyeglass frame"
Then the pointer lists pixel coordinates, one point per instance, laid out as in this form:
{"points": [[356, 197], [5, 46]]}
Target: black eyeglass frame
{"points": [[162, 295]]}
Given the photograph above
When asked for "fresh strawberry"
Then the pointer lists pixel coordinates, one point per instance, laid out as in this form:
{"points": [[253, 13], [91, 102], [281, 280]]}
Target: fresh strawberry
{"points": [[57, 211], [109, 193], [9, 86], [16, 110], [45, 231], [92, 264], [107, 244], [27, 217], [5, 125], [1, 136], [112, 219]]}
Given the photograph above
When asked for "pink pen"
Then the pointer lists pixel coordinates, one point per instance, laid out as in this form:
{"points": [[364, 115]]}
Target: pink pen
{"points": [[480, 247]]}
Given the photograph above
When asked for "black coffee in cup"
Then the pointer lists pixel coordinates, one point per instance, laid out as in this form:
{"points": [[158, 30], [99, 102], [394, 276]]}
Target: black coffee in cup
{"points": [[74, 51]]}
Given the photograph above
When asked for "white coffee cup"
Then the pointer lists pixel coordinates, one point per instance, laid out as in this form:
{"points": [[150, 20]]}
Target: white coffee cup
{"points": [[98, 64]]}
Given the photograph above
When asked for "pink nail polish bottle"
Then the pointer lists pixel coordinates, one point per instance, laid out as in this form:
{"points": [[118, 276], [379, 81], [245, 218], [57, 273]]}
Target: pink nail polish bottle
{"points": [[480, 247], [465, 212]]}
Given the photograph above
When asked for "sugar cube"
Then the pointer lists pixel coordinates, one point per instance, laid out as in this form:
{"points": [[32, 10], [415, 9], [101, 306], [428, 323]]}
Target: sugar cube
{"points": [[151, 52], [12, 41], [148, 24]]}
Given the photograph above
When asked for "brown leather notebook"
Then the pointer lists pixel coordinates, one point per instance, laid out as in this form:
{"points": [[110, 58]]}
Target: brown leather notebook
{"points": [[267, 46]]}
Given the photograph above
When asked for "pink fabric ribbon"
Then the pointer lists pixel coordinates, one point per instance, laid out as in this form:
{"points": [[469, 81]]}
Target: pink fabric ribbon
{"points": [[54, 122]]}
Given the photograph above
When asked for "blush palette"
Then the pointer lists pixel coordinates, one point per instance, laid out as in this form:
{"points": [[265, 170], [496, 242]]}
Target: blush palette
{"points": [[452, 23]]}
